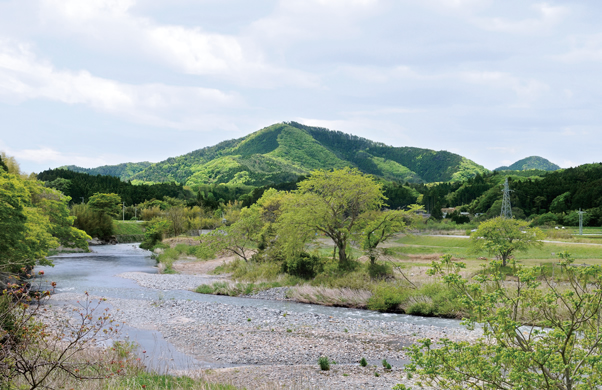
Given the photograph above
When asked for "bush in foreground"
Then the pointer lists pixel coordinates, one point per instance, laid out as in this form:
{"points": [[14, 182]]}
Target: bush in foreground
{"points": [[537, 334]]}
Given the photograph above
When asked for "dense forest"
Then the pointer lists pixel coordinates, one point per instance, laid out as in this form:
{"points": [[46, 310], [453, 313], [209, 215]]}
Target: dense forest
{"points": [[545, 197], [81, 185], [123, 171]]}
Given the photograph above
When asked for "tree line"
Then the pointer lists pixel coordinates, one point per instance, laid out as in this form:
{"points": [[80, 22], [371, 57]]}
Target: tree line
{"points": [[543, 197]]}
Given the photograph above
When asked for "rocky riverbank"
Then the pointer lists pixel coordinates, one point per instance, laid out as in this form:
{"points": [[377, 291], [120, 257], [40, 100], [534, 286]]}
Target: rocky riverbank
{"points": [[274, 346]]}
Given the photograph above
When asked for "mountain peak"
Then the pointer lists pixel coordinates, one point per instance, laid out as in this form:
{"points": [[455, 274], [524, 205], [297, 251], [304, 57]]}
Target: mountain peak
{"points": [[532, 162]]}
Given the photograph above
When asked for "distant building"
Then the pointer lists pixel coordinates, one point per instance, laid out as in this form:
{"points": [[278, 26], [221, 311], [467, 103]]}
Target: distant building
{"points": [[447, 210]]}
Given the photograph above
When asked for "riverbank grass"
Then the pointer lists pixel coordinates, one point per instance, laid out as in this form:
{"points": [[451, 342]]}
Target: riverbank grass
{"points": [[169, 255]]}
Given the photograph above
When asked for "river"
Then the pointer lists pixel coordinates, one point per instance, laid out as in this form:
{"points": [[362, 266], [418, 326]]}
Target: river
{"points": [[96, 273]]}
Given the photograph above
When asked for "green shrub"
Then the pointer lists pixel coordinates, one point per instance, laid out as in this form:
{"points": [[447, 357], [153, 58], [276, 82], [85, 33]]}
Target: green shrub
{"points": [[303, 265], [324, 363], [363, 362], [379, 270], [203, 252], [386, 297], [386, 364], [153, 235], [421, 309], [432, 299], [204, 289]]}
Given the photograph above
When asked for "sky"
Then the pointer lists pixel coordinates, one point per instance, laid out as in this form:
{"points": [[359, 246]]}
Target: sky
{"points": [[97, 82]]}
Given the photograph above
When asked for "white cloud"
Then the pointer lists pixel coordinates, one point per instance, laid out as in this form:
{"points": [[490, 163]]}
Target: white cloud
{"points": [[46, 155], [549, 16], [568, 164], [305, 20], [505, 150], [24, 77], [191, 50], [525, 89], [379, 130]]}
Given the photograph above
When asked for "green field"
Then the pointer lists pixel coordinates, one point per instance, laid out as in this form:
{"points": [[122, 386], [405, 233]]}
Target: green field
{"points": [[128, 228], [411, 246]]}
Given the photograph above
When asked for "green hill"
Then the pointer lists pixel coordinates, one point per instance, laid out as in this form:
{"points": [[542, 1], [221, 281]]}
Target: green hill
{"points": [[533, 162], [123, 171], [283, 151]]}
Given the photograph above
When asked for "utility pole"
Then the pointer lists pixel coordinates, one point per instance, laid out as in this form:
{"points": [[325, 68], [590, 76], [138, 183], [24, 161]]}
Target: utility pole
{"points": [[123, 211], [135, 213], [581, 221], [506, 206], [82, 199]]}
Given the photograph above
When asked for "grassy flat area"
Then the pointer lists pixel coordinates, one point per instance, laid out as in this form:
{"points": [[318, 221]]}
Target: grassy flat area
{"points": [[128, 227], [410, 249]]}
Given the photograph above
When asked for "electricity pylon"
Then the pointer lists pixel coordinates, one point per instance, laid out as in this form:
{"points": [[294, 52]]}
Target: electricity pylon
{"points": [[506, 206], [581, 221]]}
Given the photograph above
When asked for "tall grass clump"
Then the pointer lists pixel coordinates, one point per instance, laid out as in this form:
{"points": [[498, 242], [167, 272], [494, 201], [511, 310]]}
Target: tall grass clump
{"points": [[324, 363]]}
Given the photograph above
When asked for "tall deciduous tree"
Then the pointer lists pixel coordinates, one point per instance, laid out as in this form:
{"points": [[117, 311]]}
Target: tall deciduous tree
{"points": [[502, 237], [333, 203], [33, 220]]}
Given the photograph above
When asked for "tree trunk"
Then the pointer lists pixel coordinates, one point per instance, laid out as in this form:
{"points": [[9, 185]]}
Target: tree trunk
{"points": [[342, 253]]}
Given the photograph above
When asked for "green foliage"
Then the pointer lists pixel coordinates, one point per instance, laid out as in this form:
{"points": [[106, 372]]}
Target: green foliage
{"points": [[536, 334], [379, 226], [502, 237], [363, 362], [561, 203], [33, 221], [153, 381], [386, 364], [332, 203], [93, 223], [153, 235], [123, 171], [387, 297], [105, 204], [324, 363], [528, 163], [3, 166], [83, 185], [302, 265]]}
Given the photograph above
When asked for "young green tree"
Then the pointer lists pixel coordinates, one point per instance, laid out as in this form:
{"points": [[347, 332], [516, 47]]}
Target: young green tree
{"points": [[502, 237], [382, 225], [241, 237], [333, 203], [105, 204], [536, 335]]}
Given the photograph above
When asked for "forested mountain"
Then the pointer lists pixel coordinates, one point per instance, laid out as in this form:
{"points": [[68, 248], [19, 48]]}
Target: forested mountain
{"points": [[123, 171], [284, 151], [81, 185], [533, 162]]}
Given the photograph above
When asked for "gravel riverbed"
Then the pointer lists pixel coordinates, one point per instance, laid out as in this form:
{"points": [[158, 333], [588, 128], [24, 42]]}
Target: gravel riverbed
{"points": [[270, 346]]}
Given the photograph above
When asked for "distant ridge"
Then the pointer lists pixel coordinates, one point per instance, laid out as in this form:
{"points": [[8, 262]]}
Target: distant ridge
{"points": [[533, 162], [284, 151], [123, 171]]}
